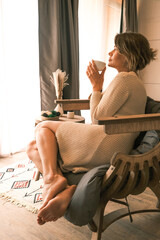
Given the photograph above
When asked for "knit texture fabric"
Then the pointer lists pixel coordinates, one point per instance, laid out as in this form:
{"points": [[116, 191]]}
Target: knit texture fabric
{"points": [[85, 146]]}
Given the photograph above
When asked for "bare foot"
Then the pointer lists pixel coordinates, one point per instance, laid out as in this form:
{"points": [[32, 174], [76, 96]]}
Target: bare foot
{"points": [[56, 207], [52, 187]]}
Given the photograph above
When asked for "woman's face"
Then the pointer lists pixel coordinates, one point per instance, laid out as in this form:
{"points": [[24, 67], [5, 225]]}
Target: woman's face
{"points": [[118, 61]]}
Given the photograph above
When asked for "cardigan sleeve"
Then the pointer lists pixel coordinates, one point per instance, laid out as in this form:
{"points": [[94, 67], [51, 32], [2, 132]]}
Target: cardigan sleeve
{"points": [[108, 103]]}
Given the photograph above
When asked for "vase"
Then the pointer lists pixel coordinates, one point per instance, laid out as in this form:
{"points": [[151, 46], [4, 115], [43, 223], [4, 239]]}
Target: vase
{"points": [[59, 109]]}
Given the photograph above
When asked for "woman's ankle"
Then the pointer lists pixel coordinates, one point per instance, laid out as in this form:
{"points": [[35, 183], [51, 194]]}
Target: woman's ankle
{"points": [[53, 177]]}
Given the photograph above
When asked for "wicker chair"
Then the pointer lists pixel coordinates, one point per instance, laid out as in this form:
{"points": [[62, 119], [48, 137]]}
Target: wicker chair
{"points": [[128, 174]]}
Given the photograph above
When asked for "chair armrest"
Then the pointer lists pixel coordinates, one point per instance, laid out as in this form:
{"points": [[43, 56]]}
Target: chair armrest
{"points": [[74, 104], [130, 123]]}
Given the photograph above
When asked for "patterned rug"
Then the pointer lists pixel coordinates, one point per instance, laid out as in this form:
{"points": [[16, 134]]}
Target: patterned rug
{"points": [[17, 185]]}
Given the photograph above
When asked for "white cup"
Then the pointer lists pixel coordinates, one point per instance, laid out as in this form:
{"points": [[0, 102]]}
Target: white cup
{"points": [[100, 65], [70, 115]]}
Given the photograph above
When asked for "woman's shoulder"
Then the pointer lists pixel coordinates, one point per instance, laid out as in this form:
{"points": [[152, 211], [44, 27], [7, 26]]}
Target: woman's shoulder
{"points": [[127, 75], [127, 80]]}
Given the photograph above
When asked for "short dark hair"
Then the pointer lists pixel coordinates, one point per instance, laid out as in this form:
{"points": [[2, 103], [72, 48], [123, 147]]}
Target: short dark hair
{"points": [[136, 48]]}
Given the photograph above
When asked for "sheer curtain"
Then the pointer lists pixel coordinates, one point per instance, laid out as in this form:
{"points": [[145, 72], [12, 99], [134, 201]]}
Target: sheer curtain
{"points": [[19, 73], [99, 21]]}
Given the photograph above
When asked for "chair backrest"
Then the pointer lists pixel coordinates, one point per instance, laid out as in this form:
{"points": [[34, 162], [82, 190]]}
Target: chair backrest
{"points": [[131, 174]]}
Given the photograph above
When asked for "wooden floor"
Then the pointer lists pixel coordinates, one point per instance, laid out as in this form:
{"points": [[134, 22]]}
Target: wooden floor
{"points": [[19, 224]]}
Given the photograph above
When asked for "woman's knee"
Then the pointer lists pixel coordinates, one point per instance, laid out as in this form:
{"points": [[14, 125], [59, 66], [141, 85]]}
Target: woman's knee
{"points": [[51, 125]]}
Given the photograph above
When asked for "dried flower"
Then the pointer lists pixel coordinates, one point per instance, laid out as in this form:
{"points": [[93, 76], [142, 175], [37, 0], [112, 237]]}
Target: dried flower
{"points": [[59, 79]]}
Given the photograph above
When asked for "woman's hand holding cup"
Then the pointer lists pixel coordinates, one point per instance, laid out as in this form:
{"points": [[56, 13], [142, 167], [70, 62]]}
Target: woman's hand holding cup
{"points": [[96, 78]]}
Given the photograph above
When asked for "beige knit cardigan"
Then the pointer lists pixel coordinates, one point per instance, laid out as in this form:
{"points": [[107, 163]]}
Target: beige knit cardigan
{"points": [[85, 146]]}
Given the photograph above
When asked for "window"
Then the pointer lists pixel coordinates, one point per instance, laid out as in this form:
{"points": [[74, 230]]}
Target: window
{"points": [[99, 21], [19, 75]]}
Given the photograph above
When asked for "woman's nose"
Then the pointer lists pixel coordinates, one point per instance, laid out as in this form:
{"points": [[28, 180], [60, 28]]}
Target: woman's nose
{"points": [[110, 53]]}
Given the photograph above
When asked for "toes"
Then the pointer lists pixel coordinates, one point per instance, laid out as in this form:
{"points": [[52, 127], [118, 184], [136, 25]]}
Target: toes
{"points": [[44, 213], [40, 221]]}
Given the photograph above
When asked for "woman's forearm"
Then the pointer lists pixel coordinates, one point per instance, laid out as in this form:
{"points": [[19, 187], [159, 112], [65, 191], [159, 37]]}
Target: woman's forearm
{"points": [[94, 102]]}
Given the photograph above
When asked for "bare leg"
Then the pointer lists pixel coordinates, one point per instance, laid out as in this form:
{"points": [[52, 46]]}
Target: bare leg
{"points": [[54, 182], [43, 152], [33, 154]]}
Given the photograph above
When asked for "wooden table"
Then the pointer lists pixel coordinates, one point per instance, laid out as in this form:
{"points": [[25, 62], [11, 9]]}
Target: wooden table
{"points": [[63, 118]]}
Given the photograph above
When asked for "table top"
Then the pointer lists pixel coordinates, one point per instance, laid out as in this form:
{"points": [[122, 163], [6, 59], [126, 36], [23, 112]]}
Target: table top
{"points": [[76, 119]]}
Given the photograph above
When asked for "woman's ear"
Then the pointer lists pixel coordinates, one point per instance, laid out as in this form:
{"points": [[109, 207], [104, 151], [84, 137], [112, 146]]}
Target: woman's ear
{"points": [[126, 64]]}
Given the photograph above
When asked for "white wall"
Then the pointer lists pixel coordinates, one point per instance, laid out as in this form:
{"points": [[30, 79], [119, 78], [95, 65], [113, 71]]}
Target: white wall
{"points": [[149, 25]]}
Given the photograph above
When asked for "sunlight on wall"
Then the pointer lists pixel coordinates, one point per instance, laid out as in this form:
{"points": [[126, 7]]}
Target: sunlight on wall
{"points": [[19, 77], [99, 21]]}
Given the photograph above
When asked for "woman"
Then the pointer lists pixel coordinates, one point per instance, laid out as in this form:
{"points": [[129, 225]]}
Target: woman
{"points": [[81, 146]]}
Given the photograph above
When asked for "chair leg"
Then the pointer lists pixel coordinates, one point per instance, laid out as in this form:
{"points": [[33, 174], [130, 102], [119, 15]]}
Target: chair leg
{"points": [[37, 175], [156, 190], [98, 219]]}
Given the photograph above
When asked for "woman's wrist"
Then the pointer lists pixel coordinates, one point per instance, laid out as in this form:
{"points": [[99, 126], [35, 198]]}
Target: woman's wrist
{"points": [[97, 90]]}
